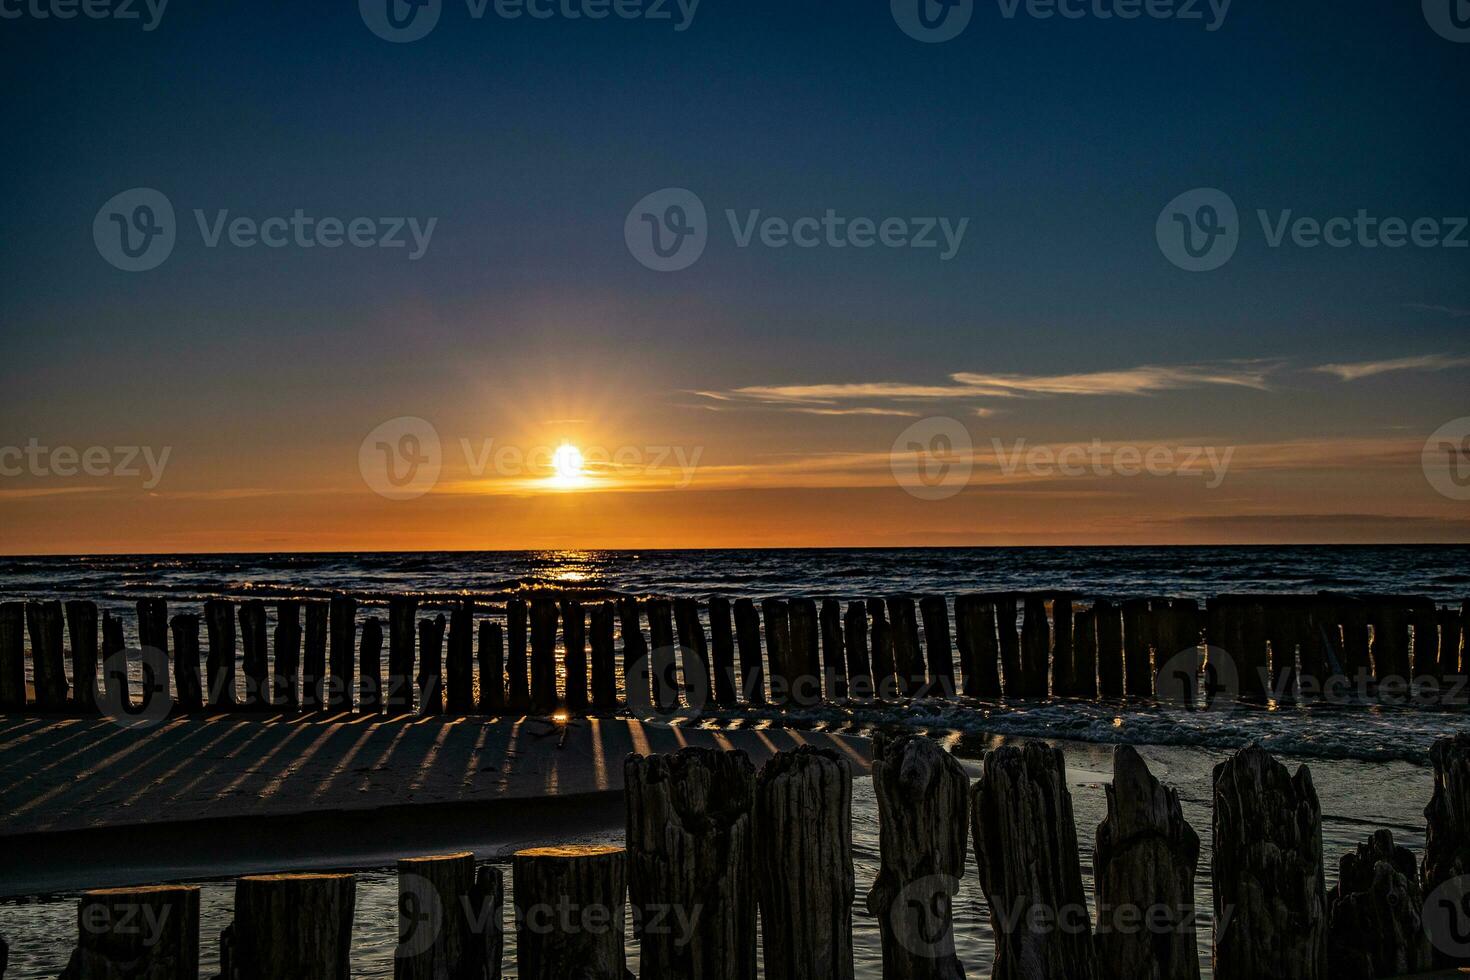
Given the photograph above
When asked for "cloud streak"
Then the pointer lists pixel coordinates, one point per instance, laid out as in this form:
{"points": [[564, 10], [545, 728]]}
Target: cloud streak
{"points": [[1357, 370]]}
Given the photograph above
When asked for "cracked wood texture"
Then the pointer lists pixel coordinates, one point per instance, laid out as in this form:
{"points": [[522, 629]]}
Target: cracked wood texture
{"points": [[1447, 846], [449, 919], [1374, 923], [570, 906], [149, 933], [290, 927]]}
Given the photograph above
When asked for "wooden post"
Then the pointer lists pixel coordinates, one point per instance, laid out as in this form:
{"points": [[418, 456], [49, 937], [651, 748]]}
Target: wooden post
{"points": [[1035, 648], [803, 865], [219, 622], [1063, 652], [775, 616], [885, 682], [343, 612], [1424, 623], [1284, 631], [855, 637], [81, 626], [1447, 849], [12, 656], [153, 635], [604, 659], [370, 664], [935, 612], [748, 636], [1109, 648], [1447, 657], [694, 649], [1026, 848], [662, 660], [1321, 639], [43, 619], [1143, 878], [126, 933], [805, 665], [402, 621], [1010, 647], [574, 639], [431, 665], [314, 660], [290, 927], [1084, 653], [923, 801], [1356, 639], [1390, 640], [1267, 871], [637, 669], [117, 688], [288, 655], [1138, 671], [254, 659], [907, 654], [518, 689], [449, 925], [460, 682], [690, 884], [1374, 913], [187, 682], [722, 651], [570, 907], [979, 651], [834, 651], [492, 669], [544, 616]]}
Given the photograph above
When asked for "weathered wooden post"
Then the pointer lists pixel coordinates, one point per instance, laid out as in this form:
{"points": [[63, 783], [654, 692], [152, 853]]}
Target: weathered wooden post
{"points": [[1374, 912], [923, 801], [219, 622], [1447, 657], [402, 623], [126, 933], [979, 652], [431, 665], [662, 660], [253, 660], [288, 654], [518, 687], [1270, 902], [116, 685], [1138, 671], [1109, 623], [698, 682], [314, 659], [460, 680], [722, 652], [1424, 627], [834, 651], [492, 669], [908, 656], [803, 865], [1026, 849], [186, 662], [81, 626], [1010, 646], [885, 682], [153, 635], [544, 616], [450, 920], [804, 668], [1447, 851], [775, 617], [1143, 877], [12, 656], [637, 670], [1390, 640], [370, 667], [855, 640], [1063, 652], [934, 610], [343, 613], [290, 927], [574, 640], [604, 659], [690, 877], [43, 620], [1035, 649], [1084, 653], [570, 906], [1356, 639], [748, 636]]}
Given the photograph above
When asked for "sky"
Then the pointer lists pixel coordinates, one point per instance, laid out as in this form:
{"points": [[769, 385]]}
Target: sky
{"points": [[279, 277]]}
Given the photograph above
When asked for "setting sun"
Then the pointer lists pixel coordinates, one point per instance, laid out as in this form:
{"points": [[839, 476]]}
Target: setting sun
{"points": [[567, 461]]}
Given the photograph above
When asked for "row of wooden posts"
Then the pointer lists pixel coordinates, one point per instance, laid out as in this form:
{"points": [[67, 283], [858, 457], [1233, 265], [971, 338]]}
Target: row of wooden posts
{"points": [[711, 845], [812, 652]]}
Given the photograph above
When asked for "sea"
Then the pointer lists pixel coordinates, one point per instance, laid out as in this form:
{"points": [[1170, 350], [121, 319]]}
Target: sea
{"points": [[1368, 754]]}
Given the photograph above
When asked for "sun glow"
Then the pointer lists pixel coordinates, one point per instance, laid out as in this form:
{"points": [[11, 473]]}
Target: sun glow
{"points": [[568, 467]]}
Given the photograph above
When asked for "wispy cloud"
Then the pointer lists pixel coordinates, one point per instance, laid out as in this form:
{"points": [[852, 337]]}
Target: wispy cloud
{"points": [[1453, 311], [1355, 370]]}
